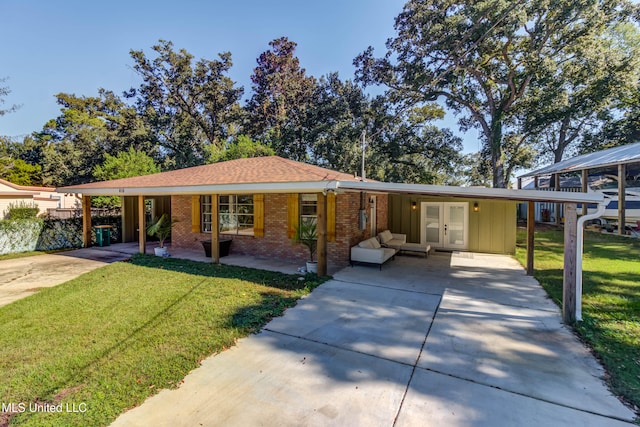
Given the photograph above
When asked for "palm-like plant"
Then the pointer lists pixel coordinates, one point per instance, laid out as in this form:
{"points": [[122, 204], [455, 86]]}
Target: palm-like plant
{"points": [[161, 228], [307, 234]]}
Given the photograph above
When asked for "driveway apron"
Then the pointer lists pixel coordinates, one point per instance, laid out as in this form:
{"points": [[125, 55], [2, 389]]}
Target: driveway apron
{"points": [[454, 339], [21, 277]]}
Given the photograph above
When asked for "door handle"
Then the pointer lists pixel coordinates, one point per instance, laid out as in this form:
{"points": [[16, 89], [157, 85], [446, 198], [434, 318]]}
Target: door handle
{"points": [[445, 229]]}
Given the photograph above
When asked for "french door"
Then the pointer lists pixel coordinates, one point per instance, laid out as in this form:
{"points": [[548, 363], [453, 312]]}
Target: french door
{"points": [[445, 224]]}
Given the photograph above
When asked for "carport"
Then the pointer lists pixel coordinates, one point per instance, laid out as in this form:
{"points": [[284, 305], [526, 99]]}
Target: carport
{"points": [[573, 234]]}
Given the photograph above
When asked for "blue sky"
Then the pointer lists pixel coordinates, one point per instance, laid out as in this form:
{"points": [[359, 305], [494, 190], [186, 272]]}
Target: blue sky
{"points": [[47, 47]]}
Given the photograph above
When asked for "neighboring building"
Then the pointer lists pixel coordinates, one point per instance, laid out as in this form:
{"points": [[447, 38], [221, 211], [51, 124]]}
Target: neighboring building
{"points": [[44, 197], [612, 172]]}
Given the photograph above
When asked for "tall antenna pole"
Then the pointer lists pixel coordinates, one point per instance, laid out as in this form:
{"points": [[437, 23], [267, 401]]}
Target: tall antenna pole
{"points": [[364, 145]]}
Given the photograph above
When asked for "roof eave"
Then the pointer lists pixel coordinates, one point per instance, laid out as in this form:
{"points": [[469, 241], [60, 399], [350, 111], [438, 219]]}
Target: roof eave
{"points": [[475, 192], [244, 188]]}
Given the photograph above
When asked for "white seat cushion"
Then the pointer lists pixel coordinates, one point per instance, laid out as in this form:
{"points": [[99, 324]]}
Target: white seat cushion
{"points": [[385, 236]]}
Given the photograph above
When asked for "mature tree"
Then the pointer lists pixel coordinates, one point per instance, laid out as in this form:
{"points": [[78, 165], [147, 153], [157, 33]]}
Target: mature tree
{"points": [[240, 148], [482, 57], [400, 145], [87, 129], [188, 105], [20, 161], [339, 115], [618, 127], [279, 106], [20, 172], [123, 165], [473, 170], [571, 94], [408, 147]]}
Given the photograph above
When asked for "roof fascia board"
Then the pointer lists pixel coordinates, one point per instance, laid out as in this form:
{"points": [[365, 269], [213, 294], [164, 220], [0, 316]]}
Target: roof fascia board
{"points": [[473, 192], [245, 188], [576, 168]]}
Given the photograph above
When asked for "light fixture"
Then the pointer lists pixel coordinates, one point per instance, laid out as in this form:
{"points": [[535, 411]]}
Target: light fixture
{"points": [[476, 208], [414, 206]]}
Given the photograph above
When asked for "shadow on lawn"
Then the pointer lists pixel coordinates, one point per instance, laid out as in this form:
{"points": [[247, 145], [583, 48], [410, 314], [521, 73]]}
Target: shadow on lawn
{"points": [[260, 277]]}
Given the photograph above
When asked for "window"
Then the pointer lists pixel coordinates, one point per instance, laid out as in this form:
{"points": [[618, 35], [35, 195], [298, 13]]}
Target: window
{"points": [[235, 214], [308, 208], [205, 212]]}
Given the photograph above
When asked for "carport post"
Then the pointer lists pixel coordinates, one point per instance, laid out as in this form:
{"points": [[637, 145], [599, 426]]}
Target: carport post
{"points": [[322, 234], [142, 226], [570, 257], [86, 221], [531, 228], [622, 181], [215, 230]]}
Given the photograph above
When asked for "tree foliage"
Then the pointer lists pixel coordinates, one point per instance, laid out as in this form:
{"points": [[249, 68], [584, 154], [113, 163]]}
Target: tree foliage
{"points": [[88, 129], [574, 94], [278, 109], [482, 58], [4, 91], [240, 148], [13, 166], [187, 105], [124, 165]]}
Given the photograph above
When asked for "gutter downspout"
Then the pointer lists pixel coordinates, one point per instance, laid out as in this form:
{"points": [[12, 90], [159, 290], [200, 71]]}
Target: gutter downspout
{"points": [[579, 249]]}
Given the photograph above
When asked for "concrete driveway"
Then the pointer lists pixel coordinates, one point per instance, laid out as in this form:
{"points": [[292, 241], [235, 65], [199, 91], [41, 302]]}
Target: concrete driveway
{"points": [[22, 277], [452, 340]]}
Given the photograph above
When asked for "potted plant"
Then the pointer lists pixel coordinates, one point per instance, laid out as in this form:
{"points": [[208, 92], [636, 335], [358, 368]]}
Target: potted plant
{"points": [[161, 228], [307, 234]]}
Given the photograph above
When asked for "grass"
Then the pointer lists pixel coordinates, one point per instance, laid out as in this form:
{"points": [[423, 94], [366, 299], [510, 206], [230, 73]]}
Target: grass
{"points": [[107, 340], [29, 253], [611, 300]]}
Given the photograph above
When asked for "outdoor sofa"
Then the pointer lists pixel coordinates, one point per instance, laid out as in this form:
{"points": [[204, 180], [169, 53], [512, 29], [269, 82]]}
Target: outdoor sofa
{"points": [[399, 242], [371, 252]]}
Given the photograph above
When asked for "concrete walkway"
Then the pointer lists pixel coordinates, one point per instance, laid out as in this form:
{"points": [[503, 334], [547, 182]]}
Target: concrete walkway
{"points": [[21, 277], [452, 340]]}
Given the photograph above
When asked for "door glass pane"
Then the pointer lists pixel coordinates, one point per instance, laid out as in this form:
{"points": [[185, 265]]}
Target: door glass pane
{"points": [[433, 224], [455, 227]]}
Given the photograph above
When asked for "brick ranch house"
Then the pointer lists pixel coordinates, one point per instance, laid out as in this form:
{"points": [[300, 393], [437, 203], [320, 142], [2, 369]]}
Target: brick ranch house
{"points": [[259, 202]]}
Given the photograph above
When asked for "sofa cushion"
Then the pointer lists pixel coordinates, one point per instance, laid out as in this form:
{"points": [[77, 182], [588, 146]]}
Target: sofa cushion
{"points": [[385, 236], [366, 244], [375, 243]]}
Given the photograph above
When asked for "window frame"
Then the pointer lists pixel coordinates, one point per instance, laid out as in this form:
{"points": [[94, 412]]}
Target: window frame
{"points": [[231, 207]]}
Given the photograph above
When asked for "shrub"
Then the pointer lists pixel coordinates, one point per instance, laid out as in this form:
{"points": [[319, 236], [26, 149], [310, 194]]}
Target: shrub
{"points": [[21, 210]]}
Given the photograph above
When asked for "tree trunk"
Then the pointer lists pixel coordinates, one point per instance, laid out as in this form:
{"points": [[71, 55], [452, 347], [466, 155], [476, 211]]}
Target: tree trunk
{"points": [[497, 162]]}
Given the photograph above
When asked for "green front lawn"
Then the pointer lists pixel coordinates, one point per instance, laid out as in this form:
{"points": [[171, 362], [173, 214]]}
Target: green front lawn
{"points": [[611, 299], [104, 342]]}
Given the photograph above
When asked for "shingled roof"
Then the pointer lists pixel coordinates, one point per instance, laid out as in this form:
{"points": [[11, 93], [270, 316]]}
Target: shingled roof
{"points": [[255, 170]]}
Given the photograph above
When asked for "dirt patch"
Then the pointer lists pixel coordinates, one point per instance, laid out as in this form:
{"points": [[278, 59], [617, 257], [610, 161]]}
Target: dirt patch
{"points": [[67, 391], [5, 418]]}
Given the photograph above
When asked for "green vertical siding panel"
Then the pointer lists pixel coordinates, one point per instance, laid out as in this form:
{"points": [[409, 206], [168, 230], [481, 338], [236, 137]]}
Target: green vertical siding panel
{"points": [[492, 229], [498, 229], [485, 224], [510, 228], [474, 228]]}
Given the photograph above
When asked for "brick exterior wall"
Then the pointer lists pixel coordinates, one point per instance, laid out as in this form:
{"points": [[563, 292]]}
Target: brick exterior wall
{"points": [[275, 243]]}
